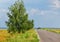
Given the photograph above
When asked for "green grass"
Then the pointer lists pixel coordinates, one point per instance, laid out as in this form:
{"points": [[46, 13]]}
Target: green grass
{"points": [[52, 30], [28, 36]]}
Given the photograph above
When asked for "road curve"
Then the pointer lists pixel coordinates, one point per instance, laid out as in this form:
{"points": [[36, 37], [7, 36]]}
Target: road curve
{"points": [[46, 36]]}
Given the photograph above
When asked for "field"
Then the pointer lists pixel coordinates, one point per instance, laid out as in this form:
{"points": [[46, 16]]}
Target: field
{"points": [[29, 36], [52, 30]]}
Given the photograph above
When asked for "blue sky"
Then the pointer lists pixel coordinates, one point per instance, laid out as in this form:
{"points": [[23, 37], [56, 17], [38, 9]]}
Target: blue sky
{"points": [[45, 13]]}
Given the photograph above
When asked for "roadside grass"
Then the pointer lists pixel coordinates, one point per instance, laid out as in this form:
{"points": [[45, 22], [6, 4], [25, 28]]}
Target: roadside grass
{"points": [[28, 36], [52, 30]]}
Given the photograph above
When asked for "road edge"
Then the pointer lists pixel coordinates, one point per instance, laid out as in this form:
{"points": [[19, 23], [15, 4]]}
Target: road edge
{"points": [[37, 35]]}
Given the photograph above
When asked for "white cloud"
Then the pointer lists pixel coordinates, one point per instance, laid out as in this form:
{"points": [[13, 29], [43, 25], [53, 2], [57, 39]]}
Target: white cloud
{"points": [[3, 13], [42, 12], [4, 1], [7, 1], [32, 1], [35, 11], [3, 10], [55, 3]]}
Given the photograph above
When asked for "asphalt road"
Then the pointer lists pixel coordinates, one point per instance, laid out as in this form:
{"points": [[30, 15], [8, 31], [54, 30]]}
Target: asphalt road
{"points": [[46, 36]]}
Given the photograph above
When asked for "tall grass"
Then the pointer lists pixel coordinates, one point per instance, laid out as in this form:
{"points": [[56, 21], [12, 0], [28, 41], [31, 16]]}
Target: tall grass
{"points": [[29, 36]]}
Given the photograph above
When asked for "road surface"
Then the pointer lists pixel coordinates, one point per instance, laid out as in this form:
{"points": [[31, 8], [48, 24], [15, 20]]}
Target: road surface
{"points": [[46, 36]]}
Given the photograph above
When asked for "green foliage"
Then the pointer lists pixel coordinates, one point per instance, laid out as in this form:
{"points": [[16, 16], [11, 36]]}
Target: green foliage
{"points": [[29, 36], [18, 18]]}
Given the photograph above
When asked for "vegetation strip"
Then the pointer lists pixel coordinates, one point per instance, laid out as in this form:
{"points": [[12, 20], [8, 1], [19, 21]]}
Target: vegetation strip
{"points": [[37, 35], [29, 36], [52, 30]]}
